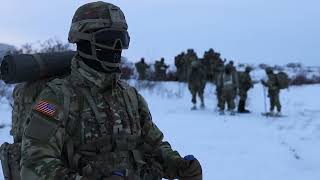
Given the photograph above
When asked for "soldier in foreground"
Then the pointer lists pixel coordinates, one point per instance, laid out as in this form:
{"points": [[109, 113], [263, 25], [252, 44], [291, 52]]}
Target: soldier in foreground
{"points": [[245, 83], [142, 68], [227, 86], [197, 83], [273, 91], [90, 125]]}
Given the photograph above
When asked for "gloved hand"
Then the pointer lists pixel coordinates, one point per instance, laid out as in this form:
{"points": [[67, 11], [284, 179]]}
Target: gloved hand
{"points": [[114, 178], [116, 175], [189, 168]]}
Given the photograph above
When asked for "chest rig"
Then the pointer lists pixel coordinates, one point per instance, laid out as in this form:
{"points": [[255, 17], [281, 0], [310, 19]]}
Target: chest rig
{"points": [[105, 132]]}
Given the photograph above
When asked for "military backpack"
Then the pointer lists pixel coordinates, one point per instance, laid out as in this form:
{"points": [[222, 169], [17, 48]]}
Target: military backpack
{"points": [[24, 97], [283, 80]]}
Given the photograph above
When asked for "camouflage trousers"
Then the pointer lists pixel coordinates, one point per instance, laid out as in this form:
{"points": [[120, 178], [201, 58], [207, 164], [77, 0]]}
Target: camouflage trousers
{"points": [[243, 94], [142, 76], [160, 76], [197, 90], [274, 100], [227, 96]]}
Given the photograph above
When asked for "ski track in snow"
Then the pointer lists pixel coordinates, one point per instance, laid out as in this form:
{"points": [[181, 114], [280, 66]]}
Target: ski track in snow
{"points": [[241, 147]]}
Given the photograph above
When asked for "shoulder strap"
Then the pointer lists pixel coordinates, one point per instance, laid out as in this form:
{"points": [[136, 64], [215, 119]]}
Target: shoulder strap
{"points": [[131, 99], [94, 108]]}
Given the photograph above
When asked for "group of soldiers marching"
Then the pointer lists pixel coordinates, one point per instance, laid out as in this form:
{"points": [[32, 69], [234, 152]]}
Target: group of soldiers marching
{"points": [[229, 82], [160, 69]]}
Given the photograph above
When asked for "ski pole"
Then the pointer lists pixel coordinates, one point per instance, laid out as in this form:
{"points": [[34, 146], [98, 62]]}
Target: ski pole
{"points": [[265, 101]]}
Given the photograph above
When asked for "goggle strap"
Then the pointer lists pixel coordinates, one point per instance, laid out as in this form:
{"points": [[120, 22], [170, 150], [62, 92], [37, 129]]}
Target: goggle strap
{"points": [[109, 64], [83, 36], [87, 56], [111, 47], [107, 67]]}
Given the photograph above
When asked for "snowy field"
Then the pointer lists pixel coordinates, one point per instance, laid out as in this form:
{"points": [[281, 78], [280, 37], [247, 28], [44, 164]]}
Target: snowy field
{"points": [[241, 147]]}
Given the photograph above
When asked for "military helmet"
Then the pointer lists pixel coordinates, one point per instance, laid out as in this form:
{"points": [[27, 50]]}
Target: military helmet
{"points": [[94, 16], [269, 70], [100, 28], [248, 69], [211, 50], [190, 50]]}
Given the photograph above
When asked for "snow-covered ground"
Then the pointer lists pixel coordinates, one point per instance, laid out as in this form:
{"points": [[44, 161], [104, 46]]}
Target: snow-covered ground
{"points": [[241, 147]]}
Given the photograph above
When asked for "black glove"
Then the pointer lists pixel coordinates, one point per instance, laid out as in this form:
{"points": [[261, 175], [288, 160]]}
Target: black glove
{"points": [[116, 175], [189, 168], [263, 82], [114, 178]]}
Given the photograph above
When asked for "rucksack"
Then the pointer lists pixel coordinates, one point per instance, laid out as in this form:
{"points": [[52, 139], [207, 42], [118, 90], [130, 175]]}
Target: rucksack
{"points": [[283, 80], [24, 96]]}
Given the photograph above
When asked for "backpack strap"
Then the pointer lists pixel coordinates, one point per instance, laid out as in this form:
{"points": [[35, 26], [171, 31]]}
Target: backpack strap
{"points": [[94, 108], [130, 97]]}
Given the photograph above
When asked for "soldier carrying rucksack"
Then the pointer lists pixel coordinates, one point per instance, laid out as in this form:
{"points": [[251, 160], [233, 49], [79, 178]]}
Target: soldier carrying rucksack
{"points": [[275, 83], [245, 83], [90, 125], [142, 68], [227, 86], [197, 83]]}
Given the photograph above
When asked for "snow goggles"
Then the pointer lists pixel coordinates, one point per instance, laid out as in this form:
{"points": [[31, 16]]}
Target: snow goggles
{"points": [[108, 38]]}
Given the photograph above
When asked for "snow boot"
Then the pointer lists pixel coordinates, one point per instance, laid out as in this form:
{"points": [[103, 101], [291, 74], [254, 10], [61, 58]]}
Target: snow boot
{"points": [[241, 107], [232, 112], [221, 112], [202, 106], [194, 107], [245, 111], [278, 114]]}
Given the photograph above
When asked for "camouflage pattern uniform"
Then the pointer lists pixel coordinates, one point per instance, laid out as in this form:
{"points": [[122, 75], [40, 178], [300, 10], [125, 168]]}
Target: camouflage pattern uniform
{"points": [[160, 70], [227, 85], [209, 62], [273, 90], [245, 83], [188, 59], [90, 125], [197, 82], [231, 64], [179, 61], [142, 68], [218, 67]]}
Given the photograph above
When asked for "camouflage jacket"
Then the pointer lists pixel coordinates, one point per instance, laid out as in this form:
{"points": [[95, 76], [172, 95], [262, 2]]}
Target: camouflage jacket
{"points": [[197, 76], [272, 83], [141, 67], [77, 129], [245, 82], [225, 81]]}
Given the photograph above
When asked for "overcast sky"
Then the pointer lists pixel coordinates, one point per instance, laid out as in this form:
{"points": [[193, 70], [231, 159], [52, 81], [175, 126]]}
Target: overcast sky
{"points": [[260, 31]]}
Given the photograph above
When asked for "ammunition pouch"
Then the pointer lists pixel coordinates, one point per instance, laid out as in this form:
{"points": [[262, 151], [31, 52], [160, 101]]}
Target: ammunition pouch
{"points": [[107, 154], [10, 156]]}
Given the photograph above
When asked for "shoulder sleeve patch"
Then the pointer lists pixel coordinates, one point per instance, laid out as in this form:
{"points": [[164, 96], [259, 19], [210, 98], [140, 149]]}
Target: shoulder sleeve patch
{"points": [[46, 108]]}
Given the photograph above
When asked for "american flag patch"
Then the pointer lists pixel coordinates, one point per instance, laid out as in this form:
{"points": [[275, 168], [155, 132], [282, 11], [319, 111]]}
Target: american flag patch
{"points": [[46, 108]]}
